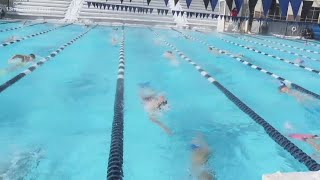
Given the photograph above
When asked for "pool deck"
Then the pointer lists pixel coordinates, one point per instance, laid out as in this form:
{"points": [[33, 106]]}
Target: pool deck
{"points": [[313, 175]]}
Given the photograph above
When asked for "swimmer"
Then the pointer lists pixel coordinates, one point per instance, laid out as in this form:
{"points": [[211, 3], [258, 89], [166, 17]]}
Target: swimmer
{"points": [[199, 158], [23, 58], [298, 95], [114, 41], [22, 165], [312, 140], [116, 29], [18, 61], [299, 61], [12, 38], [214, 51], [171, 57], [155, 104]]}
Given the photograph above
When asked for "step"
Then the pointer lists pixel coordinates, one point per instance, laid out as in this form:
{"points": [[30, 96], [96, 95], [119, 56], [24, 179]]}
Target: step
{"points": [[133, 4], [36, 16], [41, 4], [127, 16], [18, 11], [154, 12], [44, 2], [41, 8], [122, 20]]}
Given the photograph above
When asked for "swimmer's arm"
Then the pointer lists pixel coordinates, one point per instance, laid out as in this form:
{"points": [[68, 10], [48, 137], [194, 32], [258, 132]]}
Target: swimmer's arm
{"points": [[164, 127], [313, 143]]}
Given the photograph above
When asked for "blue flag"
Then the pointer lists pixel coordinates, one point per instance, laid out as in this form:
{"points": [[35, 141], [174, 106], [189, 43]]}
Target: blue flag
{"points": [[284, 7], [188, 3], [295, 4], [213, 4], [238, 4], [266, 6]]}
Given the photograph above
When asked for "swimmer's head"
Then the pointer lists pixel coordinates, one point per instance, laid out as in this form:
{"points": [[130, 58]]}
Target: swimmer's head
{"points": [[162, 98], [284, 89], [170, 52], [32, 56], [210, 48]]}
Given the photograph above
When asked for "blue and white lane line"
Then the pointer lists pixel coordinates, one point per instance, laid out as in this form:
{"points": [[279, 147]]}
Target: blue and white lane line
{"points": [[275, 48], [277, 77], [273, 56], [294, 150], [299, 41], [290, 46], [115, 162], [19, 27], [16, 78], [31, 36]]}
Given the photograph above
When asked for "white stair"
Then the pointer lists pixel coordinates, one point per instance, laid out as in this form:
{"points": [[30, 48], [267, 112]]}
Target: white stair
{"points": [[34, 9], [198, 6], [105, 15]]}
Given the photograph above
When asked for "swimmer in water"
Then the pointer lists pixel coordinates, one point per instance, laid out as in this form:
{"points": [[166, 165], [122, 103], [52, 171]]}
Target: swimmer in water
{"points": [[199, 158], [18, 61], [22, 165], [298, 95], [114, 41], [312, 140], [22, 58], [299, 61], [12, 38], [214, 51], [171, 57], [155, 104]]}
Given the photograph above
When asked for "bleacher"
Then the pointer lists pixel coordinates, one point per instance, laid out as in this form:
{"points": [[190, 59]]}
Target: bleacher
{"points": [[33, 9], [198, 6], [97, 14]]}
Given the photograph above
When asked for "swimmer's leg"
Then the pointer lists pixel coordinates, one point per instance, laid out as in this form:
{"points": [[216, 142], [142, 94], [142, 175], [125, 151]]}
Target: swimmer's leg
{"points": [[164, 127]]}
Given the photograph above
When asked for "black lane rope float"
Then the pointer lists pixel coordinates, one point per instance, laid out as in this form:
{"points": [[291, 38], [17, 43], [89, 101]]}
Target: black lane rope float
{"points": [[295, 151], [275, 48], [115, 161], [33, 67], [247, 63], [32, 35], [19, 27], [270, 55], [285, 45]]}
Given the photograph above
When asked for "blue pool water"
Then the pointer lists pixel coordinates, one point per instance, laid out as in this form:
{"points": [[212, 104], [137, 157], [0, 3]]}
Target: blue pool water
{"points": [[56, 122]]}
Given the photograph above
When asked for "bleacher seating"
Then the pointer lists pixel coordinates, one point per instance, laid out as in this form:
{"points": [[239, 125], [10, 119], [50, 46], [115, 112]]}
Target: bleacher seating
{"points": [[47, 9], [110, 15], [198, 6]]}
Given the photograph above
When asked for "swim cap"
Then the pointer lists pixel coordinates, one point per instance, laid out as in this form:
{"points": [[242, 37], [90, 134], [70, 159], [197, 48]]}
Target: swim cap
{"points": [[282, 86], [33, 56]]}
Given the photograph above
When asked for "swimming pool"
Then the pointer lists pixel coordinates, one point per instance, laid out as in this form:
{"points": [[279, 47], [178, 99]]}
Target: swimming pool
{"points": [[56, 119]]}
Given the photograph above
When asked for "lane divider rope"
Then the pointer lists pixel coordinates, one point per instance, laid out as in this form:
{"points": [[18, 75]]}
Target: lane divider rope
{"points": [[33, 67], [299, 40], [275, 48], [270, 55], [19, 27], [115, 162], [295, 151], [31, 36], [285, 45], [247, 63]]}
